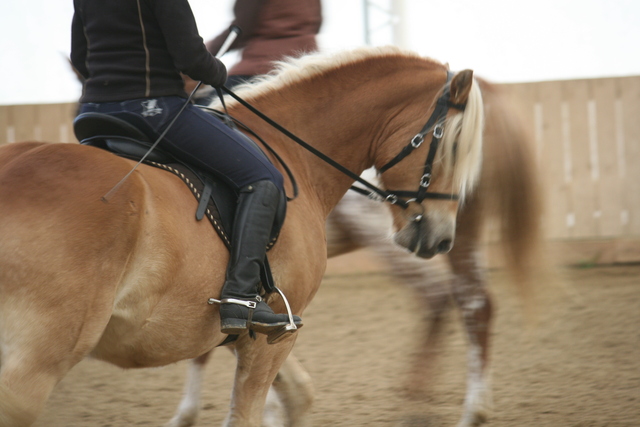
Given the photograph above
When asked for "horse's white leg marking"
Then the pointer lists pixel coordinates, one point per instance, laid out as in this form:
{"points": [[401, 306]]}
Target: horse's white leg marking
{"points": [[189, 407], [274, 411], [478, 402], [475, 307]]}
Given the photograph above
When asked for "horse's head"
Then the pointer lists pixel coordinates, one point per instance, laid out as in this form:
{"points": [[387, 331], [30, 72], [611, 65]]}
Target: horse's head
{"points": [[430, 191]]}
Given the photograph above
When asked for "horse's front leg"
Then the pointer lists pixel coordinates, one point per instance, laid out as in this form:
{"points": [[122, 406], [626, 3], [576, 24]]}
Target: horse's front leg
{"points": [[431, 283], [290, 398], [360, 222], [258, 364], [471, 296], [189, 407]]}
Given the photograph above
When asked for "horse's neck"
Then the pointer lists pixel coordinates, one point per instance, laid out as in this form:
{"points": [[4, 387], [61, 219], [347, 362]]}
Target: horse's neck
{"points": [[343, 120]]}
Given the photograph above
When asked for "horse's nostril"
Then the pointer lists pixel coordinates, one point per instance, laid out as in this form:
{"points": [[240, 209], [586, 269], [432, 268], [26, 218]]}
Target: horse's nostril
{"points": [[445, 246]]}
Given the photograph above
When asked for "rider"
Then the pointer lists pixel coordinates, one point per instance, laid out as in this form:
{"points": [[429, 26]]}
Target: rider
{"points": [[131, 54]]}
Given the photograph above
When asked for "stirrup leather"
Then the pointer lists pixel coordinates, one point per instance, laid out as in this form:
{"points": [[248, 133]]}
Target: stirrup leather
{"points": [[251, 305]]}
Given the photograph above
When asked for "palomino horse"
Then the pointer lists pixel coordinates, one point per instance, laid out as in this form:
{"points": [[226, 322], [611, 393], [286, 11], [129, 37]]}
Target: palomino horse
{"points": [[126, 279], [508, 193]]}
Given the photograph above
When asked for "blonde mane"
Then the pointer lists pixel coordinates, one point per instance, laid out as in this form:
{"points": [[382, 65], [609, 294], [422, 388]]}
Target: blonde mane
{"points": [[461, 151], [292, 70]]}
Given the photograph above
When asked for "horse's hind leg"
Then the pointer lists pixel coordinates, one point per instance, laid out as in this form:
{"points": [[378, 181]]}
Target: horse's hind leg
{"points": [[32, 364], [45, 329], [187, 411], [471, 296], [24, 389]]}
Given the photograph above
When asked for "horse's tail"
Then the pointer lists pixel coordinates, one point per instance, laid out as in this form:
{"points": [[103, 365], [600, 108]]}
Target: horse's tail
{"points": [[512, 190]]}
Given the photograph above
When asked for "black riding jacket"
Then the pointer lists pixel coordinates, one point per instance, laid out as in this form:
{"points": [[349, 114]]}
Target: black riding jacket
{"points": [[128, 49]]}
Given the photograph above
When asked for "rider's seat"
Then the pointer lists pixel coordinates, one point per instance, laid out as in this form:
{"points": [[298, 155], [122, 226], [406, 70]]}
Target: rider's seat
{"points": [[117, 135]]}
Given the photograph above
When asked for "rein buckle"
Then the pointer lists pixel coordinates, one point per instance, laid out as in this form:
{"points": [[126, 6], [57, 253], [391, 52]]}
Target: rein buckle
{"points": [[425, 181], [438, 130], [392, 198], [417, 140]]}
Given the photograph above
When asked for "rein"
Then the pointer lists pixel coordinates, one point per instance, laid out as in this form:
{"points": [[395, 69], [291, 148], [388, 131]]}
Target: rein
{"points": [[435, 121]]}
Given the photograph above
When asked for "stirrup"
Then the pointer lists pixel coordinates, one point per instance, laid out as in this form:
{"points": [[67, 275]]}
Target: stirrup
{"points": [[285, 331]]}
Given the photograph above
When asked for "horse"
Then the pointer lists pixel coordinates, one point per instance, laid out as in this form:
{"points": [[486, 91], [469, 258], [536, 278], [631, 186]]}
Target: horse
{"points": [[508, 193], [127, 278]]}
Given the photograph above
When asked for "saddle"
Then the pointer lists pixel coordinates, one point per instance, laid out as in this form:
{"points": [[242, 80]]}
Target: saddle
{"points": [[216, 199]]}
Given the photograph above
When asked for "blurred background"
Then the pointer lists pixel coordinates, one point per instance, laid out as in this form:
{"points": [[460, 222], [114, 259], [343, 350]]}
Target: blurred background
{"points": [[503, 40], [572, 70]]}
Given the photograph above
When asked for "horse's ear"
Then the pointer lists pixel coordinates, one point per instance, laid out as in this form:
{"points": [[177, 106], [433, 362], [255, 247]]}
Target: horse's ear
{"points": [[461, 86]]}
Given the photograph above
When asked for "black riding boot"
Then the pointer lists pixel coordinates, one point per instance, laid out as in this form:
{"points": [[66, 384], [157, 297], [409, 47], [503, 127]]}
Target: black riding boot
{"points": [[241, 308]]}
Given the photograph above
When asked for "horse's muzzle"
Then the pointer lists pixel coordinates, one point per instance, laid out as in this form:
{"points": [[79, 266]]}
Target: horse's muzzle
{"points": [[426, 239]]}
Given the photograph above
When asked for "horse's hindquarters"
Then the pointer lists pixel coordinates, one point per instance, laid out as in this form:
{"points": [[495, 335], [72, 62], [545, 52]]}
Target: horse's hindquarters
{"points": [[62, 253]]}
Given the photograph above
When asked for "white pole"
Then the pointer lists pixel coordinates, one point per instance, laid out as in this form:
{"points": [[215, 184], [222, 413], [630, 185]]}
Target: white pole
{"points": [[367, 23], [400, 23]]}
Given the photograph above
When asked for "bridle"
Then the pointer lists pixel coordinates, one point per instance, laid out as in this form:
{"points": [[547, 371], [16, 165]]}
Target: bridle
{"points": [[398, 198], [435, 122]]}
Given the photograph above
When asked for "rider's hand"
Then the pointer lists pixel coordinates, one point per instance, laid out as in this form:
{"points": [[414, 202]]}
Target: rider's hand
{"points": [[219, 77]]}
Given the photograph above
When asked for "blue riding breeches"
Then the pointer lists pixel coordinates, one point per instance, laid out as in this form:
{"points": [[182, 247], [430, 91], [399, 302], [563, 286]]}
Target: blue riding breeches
{"points": [[196, 137]]}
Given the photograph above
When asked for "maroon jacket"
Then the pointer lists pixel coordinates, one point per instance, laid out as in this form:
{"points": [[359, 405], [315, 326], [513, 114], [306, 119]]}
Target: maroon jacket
{"points": [[271, 30]]}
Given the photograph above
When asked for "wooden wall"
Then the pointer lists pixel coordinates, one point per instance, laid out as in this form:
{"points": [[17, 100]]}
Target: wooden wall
{"points": [[587, 135], [45, 122]]}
